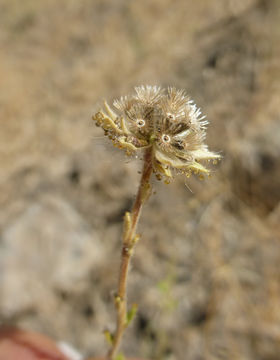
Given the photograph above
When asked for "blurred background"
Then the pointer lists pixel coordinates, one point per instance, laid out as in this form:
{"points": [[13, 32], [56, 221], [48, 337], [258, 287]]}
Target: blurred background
{"points": [[206, 273]]}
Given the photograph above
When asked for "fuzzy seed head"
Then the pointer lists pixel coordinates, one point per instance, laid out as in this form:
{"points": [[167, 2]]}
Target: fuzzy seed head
{"points": [[167, 121]]}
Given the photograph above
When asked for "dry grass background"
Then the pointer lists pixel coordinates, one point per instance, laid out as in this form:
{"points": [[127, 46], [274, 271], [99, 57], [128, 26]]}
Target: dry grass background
{"points": [[206, 273]]}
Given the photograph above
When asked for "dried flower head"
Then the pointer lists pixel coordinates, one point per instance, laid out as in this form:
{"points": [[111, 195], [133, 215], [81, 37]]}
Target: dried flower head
{"points": [[167, 121]]}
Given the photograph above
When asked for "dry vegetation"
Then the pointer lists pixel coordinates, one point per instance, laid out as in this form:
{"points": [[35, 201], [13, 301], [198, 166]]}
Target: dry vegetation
{"points": [[206, 273]]}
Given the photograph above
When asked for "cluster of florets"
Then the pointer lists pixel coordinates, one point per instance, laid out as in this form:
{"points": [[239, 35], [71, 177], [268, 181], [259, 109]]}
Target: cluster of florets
{"points": [[166, 121]]}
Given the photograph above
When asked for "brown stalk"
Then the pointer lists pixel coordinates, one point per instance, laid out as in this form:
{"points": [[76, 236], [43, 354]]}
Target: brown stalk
{"points": [[128, 243]]}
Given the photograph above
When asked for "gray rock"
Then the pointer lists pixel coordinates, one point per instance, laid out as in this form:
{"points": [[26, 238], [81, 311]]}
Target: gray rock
{"points": [[48, 246]]}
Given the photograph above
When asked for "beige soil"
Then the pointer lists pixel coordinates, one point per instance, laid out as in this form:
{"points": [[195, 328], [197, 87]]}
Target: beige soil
{"points": [[206, 273]]}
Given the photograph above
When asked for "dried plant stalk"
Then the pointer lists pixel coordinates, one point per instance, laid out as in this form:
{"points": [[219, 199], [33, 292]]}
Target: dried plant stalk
{"points": [[130, 239], [170, 130]]}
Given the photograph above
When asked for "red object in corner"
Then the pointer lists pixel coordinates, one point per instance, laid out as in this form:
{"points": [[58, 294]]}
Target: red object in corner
{"points": [[18, 344]]}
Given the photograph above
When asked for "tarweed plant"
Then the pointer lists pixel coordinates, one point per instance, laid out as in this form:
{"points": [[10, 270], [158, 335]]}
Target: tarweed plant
{"points": [[169, 131]]}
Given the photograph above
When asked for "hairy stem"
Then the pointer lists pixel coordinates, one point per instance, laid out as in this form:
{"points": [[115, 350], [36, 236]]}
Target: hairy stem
{"points": [[128, 243]]}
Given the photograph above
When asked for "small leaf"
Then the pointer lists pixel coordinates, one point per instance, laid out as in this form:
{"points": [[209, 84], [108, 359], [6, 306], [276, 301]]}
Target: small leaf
{"points": [[120, 357], [118, 300], [127, 224], [131, 314], [108, 336], [135, 239]]}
